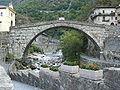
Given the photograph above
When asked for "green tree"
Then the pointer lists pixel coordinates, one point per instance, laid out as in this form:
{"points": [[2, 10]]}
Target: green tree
{"points": [[107, 2], [72, 44]]}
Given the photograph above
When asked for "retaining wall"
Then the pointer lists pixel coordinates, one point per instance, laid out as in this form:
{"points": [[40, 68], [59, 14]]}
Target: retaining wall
{"points": [[49, 80], [101, 63], [5, 81]]}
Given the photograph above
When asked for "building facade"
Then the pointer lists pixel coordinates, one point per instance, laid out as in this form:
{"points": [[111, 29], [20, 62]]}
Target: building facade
{"points": [[7, 18], [118, 15], [104, 15]]}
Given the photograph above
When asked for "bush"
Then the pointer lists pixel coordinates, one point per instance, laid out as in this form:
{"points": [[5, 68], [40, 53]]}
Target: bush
{"points": [[9, 57], [44, 66], [90, 67], [54, 69], [74, 63], [33, 49]]}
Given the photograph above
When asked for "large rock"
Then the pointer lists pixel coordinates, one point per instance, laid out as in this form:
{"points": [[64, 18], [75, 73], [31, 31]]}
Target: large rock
{"points": [[5, 81]]}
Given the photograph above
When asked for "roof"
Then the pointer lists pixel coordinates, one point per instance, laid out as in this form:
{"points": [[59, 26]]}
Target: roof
{"points": [[1, 6], [4, 7], [106, 7]]}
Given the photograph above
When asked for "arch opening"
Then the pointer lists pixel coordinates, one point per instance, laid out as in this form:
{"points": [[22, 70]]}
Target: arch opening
{"points": [[80, 31]]}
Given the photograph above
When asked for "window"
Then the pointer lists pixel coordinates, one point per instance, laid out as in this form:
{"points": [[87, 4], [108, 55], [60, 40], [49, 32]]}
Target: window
{"points": [[103, 18], [115, 18], [103, 11], [1, 14], [11, 14], [112, 24], [11, 23], [118, 22], [111, 17], [118, 14]]}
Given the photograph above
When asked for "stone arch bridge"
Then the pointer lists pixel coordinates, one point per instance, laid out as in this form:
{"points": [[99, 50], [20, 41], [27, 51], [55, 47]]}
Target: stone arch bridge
{"points": [[22, 36]]}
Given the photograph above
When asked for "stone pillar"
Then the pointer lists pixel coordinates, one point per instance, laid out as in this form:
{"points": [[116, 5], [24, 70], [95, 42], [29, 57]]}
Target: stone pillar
{"points": [[112, 78]]}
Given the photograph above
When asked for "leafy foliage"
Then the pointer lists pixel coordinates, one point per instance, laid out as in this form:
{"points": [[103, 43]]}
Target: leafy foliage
{"points": [[44, 66], [54, 69], [79, 10], [107, 2], [33, 49], [71, 63], [90, 67], [9, 57], [39, 10], [72, 44]]}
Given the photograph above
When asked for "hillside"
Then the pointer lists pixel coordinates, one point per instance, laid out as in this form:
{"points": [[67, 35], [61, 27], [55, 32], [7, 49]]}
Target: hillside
{"points": [[46, 10]]}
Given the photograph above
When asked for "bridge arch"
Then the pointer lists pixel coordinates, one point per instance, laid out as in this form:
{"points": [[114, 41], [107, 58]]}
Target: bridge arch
{"points": [[25, 53], [22, 36]]}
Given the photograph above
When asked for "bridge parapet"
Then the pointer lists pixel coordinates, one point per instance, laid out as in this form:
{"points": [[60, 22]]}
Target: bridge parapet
{"points": [[55, 22]]}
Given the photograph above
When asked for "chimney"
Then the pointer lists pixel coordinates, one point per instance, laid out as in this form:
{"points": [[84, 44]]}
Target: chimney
{"points": [[10, 5]]}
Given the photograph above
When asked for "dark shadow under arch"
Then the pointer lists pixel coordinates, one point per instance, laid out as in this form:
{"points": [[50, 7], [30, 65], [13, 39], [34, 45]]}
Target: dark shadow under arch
{"points": [[25, 53]]}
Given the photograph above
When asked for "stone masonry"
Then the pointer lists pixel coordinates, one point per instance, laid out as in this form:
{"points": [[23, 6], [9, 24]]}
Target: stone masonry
{"points": [[50, 80], [5, 81], [22, 36]]}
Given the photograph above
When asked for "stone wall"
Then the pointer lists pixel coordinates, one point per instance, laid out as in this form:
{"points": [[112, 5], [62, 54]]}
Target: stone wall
{"points": [[98, 62], [3, 53], [112, 48], [92, 49], [5, 81], [49, 80], [112, 78]]}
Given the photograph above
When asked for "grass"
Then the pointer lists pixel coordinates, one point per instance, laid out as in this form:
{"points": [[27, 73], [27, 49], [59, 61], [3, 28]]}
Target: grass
{"points": [[44, 66], [54, 69], [71, 63]]}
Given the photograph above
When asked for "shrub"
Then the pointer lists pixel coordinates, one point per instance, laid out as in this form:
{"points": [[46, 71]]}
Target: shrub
{"points": [[54, 69], [90, 67], [74, 63], [44, 66], [9, 57], [34, 48]]}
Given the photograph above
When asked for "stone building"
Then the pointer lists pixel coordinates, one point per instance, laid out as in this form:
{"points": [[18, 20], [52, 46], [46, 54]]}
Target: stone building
{"points": [[104, 15], [7, 18], [118, 15]]}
